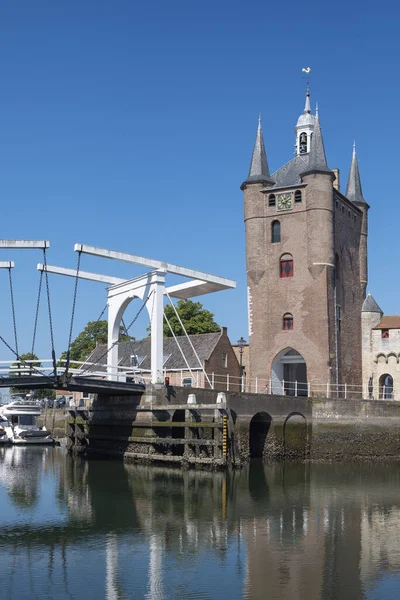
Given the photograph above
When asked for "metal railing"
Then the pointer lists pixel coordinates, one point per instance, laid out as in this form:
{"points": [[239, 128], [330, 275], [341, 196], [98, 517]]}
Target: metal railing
{"points": [[200, 379]]}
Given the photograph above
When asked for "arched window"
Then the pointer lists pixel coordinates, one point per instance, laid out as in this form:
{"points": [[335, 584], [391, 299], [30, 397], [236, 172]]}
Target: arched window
{"points": [[297, 196], [286, 265], [303, 143], [275, 232], [287, 321], [271, 200], [386, 386]]}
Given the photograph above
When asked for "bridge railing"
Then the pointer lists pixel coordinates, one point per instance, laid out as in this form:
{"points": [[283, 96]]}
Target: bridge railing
{"points": [[317, 389], [199, 379]]}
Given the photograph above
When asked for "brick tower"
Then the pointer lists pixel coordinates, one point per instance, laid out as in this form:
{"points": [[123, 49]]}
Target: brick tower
{"points": [[306, 259]]}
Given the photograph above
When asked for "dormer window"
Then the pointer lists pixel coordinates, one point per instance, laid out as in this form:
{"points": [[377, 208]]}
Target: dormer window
{"points": [[303, 143]]}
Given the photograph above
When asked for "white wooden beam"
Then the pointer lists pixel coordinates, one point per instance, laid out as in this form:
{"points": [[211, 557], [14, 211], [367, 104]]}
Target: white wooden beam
{"points": [[27, 244], [7, 264], [154, 264], [107, 279]]}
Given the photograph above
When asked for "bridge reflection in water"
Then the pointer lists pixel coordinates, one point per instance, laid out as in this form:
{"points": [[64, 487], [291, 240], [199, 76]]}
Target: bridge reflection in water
{"points": [[102, 529]]}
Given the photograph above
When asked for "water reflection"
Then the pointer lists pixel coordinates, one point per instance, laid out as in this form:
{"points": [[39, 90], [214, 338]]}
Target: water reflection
{"points": [[127, 531]]}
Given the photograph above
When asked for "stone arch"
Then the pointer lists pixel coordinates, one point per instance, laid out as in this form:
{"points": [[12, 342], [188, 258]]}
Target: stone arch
{"points": [[381, 355], [178, 432], [259, 427], [295, 435], [289, 373], [393, 355], [234, 416], [386, 386]]}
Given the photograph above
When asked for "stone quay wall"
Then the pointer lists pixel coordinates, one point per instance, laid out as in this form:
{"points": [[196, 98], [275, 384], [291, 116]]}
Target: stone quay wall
{"points": [[260, 426]]}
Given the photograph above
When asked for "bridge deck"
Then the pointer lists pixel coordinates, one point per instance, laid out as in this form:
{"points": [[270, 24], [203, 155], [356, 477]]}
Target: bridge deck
{"points": [[73, 384]]}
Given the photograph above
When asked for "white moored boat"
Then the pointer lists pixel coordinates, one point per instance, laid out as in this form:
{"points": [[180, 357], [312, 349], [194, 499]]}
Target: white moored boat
{"points": [[23, 416], [6, 431]]}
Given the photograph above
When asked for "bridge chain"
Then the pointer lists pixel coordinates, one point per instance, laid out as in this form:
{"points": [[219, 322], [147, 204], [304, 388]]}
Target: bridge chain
{"points": [[13, 311], [73, 313], [53, 353], [37, 313]]}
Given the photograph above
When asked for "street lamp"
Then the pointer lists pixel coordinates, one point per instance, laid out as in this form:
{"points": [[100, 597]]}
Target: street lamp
{"points": [[241, 343]]}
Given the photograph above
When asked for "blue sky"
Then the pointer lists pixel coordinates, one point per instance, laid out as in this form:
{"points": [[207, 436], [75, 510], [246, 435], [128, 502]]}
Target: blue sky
{"points": [[130, 126]]}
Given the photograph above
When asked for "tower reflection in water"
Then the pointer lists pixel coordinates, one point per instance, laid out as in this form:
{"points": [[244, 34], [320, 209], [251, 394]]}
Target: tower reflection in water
{"points": [[121, 531]]}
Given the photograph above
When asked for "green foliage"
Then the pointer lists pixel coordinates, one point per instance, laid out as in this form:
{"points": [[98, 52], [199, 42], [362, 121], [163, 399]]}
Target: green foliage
{"points": [[194, 317], [24, 370], [84, 344]]}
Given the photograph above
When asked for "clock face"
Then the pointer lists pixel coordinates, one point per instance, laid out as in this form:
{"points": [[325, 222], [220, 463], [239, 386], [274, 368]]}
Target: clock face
{"points": [[284, 201]]}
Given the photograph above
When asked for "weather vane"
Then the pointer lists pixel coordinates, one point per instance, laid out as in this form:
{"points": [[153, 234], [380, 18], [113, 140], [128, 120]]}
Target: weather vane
{"points": [[306, 70]]}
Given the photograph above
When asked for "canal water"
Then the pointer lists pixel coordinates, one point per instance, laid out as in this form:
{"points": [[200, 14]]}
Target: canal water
{"points": [[102, 529]]}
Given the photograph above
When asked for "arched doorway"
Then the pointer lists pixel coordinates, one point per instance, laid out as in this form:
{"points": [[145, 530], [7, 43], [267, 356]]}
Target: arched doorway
{"points": [[289, 373], [259, 427], [386, 387]]}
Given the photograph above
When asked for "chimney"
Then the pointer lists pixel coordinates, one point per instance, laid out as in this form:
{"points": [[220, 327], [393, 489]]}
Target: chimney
{"points": [[336, 183]]}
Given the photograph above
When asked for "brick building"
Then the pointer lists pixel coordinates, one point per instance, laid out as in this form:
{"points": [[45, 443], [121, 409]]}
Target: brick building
{"points": [[215, 357], [381, 352], [306, 259]]}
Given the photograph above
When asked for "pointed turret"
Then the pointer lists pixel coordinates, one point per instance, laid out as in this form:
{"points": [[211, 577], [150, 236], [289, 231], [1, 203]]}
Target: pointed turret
{"points": [[354, 191], [317, 162], [369, 305], [259, 170]]}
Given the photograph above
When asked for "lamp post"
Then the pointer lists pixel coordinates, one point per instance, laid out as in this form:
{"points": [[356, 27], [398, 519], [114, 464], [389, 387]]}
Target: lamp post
{"points": [[241, 343]]}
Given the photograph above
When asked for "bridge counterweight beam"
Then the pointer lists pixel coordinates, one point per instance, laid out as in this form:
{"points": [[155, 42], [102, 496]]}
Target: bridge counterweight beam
{"points": [[26, 244]]}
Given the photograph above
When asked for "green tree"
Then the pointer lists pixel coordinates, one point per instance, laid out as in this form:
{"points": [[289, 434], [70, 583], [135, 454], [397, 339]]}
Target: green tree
{"points": [[20, 370], [84, 344], [194, 317]]}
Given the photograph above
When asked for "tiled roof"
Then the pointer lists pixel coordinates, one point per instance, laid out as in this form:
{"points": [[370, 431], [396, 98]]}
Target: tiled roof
{"points": [[203, 344], [389, 322], [289, 174]]}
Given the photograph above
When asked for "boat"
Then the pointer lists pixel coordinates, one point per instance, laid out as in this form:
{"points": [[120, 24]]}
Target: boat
{"points": [[6, 431], [23, 417]]}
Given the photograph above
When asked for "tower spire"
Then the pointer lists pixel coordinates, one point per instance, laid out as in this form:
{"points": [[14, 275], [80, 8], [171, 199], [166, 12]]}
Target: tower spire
{"points": [[259, 170], [307, 106], [317, 161], [354, 191], [304, 126]]}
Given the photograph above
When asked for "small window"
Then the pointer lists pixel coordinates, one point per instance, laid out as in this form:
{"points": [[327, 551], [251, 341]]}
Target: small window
{"points": [[349, 213], [275, 232], [337, 204], [338, 318], [286, 264], [287, 322], [297, 196], [342, 209], [225, 360], [303, 143], [385, 334], [187, 382], [271, 200], [337, 267]]}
